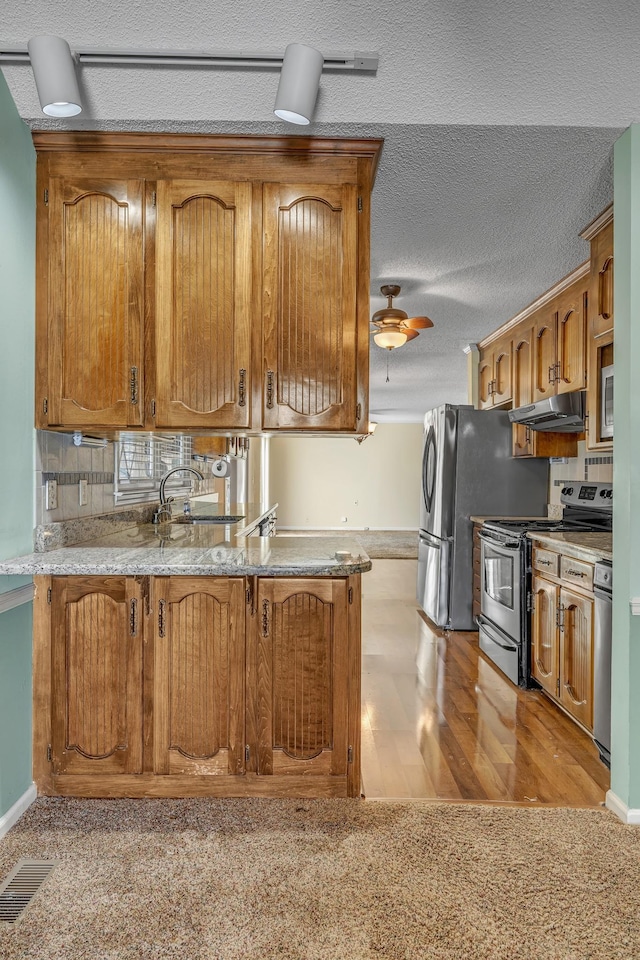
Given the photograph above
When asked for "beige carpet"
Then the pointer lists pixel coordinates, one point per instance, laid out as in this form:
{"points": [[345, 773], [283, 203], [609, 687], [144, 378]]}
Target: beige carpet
{"points": [[331, 879]]}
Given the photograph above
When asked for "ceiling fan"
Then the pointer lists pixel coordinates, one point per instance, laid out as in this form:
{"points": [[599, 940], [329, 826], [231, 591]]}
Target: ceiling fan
{"points": [[393, 327]]}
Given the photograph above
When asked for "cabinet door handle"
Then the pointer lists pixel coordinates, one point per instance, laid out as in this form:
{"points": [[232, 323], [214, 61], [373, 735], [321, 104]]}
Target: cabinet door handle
{"points": [[161, 624], [269, 389], [560, 617], [265, 618], [552, 373], [133, 385], [133, 617], [242, 388]]}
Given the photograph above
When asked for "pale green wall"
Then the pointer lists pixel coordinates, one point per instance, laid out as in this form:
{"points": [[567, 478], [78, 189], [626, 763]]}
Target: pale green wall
{"points": [[17, 293], [625, 719]]}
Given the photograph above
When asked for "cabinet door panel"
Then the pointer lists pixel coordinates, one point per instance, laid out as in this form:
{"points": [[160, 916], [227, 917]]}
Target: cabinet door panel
{"points": [[485, 382], [199, 676], [310, 347], [576, 661], [302, 672], [502, 373], [96, 675], [522, 369], [203, 304], [544, 635], [572, 342], [95, 329], [544, 357]]}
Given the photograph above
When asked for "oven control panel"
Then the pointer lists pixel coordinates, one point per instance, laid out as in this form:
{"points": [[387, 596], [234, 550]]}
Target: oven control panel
{"points": [[597, 495]]}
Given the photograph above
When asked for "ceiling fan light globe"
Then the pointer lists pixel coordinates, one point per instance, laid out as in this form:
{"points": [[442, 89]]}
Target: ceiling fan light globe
{"points": [[390, 338]]}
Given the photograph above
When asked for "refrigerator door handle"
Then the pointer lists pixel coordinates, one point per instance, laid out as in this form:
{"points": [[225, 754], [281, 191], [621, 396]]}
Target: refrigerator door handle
{"points": [[430, 540], [494, 633]]}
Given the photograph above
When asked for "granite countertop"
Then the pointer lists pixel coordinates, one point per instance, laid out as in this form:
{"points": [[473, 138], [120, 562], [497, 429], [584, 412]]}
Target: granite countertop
{"points": [[582, 546], [171, 549]]}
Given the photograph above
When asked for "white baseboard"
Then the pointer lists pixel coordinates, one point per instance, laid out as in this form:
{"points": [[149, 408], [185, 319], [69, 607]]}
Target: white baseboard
{"points": [[621, 810], [11, 817]]}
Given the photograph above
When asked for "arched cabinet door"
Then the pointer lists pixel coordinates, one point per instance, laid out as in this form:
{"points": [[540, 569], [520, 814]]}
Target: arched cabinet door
{"points": [[97, 642], [572, 329], [544, 353], [199, 673], [302, 677], [203, 304], [314, 356], [544, 635], [576, 658], [91, 365]]}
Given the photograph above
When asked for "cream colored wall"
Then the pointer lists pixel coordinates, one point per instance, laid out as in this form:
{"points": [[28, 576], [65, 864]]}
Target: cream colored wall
{"points": [[318, 481]]}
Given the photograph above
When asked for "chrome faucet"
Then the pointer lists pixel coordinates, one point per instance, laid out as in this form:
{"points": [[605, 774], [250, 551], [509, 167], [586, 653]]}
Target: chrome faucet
{"points": [[165, 501]]}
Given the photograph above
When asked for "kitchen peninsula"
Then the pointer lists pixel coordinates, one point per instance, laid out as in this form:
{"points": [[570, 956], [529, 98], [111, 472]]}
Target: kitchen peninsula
{"points": [[185, 659]]}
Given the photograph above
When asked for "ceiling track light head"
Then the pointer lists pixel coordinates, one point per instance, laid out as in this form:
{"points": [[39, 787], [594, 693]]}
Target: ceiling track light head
{"points": [[55, 75], [299, 82]]}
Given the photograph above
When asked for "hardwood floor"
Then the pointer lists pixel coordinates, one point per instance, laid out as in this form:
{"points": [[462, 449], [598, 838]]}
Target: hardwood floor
{"points": [[439, 721]]}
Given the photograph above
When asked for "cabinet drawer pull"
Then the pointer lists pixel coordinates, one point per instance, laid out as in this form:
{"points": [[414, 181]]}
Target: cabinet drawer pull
{"points": [[242, 388], [575, 573], [546, 563], [265, 618], [161, 624], [269, 389]]}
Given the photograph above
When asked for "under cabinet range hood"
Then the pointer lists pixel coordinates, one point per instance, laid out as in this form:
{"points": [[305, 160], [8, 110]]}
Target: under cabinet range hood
{"points": [[563, 413]]}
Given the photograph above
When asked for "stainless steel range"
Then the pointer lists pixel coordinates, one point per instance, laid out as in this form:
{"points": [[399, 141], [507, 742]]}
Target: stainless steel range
{"points": [[505, 621]]}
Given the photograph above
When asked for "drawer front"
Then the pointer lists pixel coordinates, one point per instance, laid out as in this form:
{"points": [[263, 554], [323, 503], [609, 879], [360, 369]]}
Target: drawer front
{"points": [[578, 572], [546, 561]]}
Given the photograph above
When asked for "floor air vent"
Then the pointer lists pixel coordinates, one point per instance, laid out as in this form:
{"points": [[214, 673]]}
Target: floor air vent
{"points": [[21, 886]]}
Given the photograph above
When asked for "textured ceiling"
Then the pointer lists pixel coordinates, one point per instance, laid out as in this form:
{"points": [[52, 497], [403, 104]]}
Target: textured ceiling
{"points": [[498, 119]]}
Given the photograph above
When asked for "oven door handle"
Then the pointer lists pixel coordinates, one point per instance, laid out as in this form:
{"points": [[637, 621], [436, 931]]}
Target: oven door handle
{"points": [[508, 545], [482, 621]]}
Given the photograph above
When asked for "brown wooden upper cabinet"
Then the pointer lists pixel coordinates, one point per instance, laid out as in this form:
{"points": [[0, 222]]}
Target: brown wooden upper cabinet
{"points": [[559, 342], [600, 329], [495, 374], [90, 342], [310, 356], [203, 304], [202, 282]]}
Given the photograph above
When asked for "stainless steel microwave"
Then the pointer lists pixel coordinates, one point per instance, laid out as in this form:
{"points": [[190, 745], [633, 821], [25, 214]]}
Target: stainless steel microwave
{"points": [[606, 402]]}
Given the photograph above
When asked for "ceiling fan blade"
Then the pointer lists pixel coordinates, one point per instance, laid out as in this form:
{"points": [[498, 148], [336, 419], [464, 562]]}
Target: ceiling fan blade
{"points": [[411, 334], [418, 323]]}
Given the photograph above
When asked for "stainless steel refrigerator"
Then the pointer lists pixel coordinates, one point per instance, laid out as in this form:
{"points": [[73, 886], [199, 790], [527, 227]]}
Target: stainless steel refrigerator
{"points": [[467, 470]]}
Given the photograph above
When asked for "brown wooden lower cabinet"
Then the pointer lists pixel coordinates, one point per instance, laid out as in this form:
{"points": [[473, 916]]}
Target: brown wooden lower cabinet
{"points": [[197, 686], [562, 644]]}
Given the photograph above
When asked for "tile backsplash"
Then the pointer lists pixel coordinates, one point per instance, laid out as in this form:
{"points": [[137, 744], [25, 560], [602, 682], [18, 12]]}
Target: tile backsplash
{"points": [[57, 458], [586, 466]]}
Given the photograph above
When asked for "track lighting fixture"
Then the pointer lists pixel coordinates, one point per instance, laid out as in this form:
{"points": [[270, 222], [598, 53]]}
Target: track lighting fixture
{"points": [[55, 76], [301, 67], [299, 82]]}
